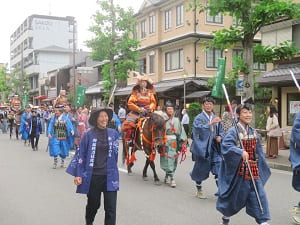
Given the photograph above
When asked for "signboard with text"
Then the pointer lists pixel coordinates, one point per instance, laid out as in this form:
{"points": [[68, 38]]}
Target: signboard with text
{"points": [[294, 106], [80, 96]]}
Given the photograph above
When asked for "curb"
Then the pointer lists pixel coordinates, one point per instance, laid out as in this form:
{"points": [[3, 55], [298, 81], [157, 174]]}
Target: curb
{"points": [[279, 166]]}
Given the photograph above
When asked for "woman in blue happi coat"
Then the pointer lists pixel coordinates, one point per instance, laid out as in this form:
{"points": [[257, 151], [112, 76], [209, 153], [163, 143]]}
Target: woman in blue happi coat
{"points": [[74, 121], [59, 129], [236, 190], [295, 160], [95, 168], [206, 152], [24, 127]]}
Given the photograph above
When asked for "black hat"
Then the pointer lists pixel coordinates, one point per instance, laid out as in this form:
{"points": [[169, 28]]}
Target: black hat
{"points": [[208, 99], [234, 102], [169, 104], [60, 107], [249, 101], [95, 113]]}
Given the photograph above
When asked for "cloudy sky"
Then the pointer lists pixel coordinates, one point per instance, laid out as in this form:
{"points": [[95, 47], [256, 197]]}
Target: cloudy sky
{"points": [[14, 12]]}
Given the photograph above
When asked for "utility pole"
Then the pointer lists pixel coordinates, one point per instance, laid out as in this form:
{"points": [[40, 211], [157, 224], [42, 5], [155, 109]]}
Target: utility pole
{"points": [[22, 70], [112, 43], [73, 54]]}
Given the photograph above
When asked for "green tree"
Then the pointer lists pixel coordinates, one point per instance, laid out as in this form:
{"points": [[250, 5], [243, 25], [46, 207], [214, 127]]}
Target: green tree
{"points": [[251, 16], [113, 41], [193, 110], [3, 83], [15, 82]]}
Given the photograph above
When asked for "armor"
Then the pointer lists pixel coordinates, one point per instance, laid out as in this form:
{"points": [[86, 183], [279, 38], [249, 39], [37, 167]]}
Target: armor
{"points": [[60, 130]]}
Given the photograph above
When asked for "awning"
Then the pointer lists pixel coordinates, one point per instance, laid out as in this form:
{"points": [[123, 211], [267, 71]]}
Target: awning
{"points": [[40, 97], [280, 76], [95, 89], [198, 94]]}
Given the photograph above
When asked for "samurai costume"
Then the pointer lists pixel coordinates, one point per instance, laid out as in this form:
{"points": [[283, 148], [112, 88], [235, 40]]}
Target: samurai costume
{"points": [[236, 190], [295, 161], [176, 137], [206, 151], [60, 128]]}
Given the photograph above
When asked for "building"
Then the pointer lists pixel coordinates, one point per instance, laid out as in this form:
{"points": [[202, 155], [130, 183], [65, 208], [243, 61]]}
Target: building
{"points": [[42, 43], [174, 48], [280, 79]]}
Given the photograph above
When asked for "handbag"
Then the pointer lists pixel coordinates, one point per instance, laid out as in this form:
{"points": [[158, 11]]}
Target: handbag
{"points": [[275, 133]]}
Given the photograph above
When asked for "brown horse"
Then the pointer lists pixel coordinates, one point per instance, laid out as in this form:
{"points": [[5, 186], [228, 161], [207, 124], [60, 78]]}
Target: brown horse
{"points": [[149, 137]]}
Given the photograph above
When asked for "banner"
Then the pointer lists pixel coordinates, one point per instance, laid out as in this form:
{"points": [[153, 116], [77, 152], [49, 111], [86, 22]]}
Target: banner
{"points": [[24, 101], [217, 90], [80, 96]]}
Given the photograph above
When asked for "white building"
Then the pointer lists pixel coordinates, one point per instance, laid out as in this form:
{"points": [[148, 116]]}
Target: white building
{"points": [[44, 43]]}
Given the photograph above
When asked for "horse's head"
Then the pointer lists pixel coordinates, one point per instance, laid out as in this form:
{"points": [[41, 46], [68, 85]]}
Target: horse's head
{"points": [[159, 130]]}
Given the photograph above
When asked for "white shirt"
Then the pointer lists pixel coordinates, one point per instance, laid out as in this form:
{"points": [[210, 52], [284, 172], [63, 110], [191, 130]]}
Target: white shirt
{"points": [[122, 113], [185, 119]]}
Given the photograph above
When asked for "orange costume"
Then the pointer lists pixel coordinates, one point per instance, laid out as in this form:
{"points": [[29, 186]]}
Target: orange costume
{"points": [[140, 103]]}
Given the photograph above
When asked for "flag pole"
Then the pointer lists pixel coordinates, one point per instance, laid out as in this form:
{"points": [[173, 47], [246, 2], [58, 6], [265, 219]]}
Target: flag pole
{"points": [[295, 80], [242, 147]]}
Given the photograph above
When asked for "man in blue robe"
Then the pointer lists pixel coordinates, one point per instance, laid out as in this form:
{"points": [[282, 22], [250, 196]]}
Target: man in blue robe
{"points": [[295, 160], [74, 120], [24, 127], [60, 128], [236, 190], [206, 152]]}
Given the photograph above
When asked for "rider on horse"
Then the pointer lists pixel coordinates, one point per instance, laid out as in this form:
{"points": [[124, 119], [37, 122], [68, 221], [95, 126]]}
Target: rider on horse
{"points": [[141, 102]]}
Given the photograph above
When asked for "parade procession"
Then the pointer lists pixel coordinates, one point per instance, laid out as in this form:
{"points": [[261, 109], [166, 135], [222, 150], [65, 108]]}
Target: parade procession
{"points": [[153, 112]]}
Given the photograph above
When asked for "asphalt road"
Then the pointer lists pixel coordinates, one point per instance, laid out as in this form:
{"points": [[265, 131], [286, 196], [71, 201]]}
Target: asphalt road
{"points": [[32, 193]]}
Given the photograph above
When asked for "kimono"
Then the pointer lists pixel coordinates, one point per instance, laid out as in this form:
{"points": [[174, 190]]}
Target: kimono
{"points": [[295, 153], [83, 126], [235, 186], [75, 128], [58, 146], [205, 149], [83, 161], [24, 129], [175, 138], [39, 128]]}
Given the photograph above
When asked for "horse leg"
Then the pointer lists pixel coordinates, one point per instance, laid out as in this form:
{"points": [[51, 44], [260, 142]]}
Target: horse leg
{"points": [[156, 179], [129, 169], [145, 177]]}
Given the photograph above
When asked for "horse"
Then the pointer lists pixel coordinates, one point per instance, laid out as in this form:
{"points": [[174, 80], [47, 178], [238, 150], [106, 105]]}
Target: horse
{"points": [[149, 137]]}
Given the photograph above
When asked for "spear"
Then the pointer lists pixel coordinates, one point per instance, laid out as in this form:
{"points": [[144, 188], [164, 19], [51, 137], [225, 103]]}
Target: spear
{"points": [[295, 80], [242, 147]]}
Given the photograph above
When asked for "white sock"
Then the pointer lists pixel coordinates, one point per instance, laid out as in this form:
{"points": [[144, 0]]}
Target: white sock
{"points": [[264, 223]]}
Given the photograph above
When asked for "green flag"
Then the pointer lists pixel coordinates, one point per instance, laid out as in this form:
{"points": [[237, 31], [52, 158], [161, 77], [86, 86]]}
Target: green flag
{"points": [[24, 101], [217, 90], [80, 96]]}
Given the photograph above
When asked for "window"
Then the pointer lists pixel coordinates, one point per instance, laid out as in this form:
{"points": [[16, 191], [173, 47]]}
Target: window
{"points": [[212, 55], [236, 53], [259, 66], [151, 24], [292, 100], [214, 19], [174, 60], [152, 64], [143, 29], [142, 66], [179, 15], [168, 19]]}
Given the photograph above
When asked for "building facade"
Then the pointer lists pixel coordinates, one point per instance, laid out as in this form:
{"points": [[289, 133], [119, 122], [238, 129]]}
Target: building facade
{"points": [[42, 43]]}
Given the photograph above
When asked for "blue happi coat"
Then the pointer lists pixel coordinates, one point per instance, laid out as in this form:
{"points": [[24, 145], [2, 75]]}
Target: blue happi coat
{"points": [[206, 150], [295, 152], [25, 129], [83, 162], [234, 191], [75, 127], [59, 147], [39, 127]]}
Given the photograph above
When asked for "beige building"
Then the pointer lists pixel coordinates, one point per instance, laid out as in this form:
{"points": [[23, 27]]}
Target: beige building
{"points": [[174, 44], [280, 79]]}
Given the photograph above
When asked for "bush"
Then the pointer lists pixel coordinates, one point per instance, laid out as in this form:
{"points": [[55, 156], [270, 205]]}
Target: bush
{"points": [[194, 109]]}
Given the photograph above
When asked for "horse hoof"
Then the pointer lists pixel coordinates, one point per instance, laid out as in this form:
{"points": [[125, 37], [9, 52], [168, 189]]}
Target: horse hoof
{"points": [[145, 178], [157, 182]]}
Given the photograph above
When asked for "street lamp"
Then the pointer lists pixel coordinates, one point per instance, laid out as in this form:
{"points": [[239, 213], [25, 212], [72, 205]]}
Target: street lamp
{"points": [[184, 89]]}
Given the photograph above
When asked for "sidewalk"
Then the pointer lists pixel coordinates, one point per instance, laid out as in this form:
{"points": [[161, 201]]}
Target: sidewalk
{"points": [[281, 162]]}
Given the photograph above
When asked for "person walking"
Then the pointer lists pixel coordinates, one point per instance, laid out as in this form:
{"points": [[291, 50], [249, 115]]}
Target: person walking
{"points": [[176, 138], [295, 161], [122, 113], [47, 116], [83, 125], [185, 123], [205, 148], [35, 130], [95, 169], [273, 134], [236, 189], [60, 128], [74, 120], [24, 128]]}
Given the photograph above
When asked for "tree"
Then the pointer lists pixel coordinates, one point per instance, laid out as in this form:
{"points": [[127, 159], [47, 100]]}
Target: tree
{"points": [[251, 16], [15, 82], [113, 41], [3, 83]]}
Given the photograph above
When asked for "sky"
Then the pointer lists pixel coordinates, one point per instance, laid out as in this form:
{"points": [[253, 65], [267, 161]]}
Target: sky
{"points": [[14, 12]]}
